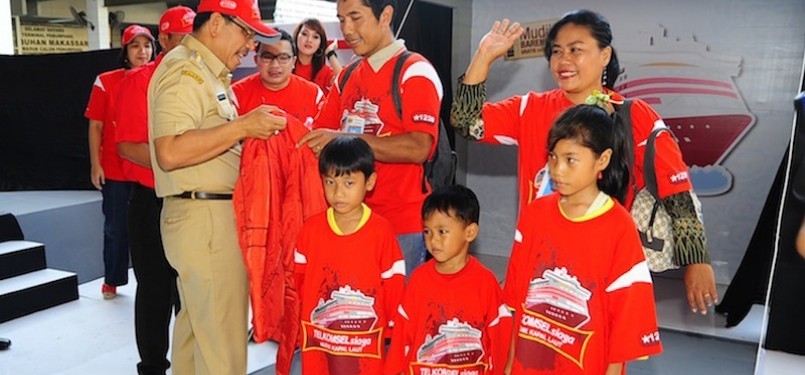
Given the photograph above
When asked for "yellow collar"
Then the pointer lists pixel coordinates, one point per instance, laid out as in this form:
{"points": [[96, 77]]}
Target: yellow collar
{"points": [[367, 212], [600, 206]]}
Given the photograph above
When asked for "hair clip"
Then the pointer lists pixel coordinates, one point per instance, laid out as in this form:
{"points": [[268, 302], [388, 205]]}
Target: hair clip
{"points": [[602, 100]]}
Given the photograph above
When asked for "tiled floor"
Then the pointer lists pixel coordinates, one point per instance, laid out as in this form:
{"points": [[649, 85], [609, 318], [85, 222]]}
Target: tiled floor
{"points": [[92, 336]]}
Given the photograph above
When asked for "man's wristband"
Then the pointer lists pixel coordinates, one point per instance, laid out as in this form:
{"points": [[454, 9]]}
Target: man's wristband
{"points": [[331, 54]]}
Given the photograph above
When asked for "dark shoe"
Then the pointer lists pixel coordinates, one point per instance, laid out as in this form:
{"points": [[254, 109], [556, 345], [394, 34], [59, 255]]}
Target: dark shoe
{"points": [[4, 343]]}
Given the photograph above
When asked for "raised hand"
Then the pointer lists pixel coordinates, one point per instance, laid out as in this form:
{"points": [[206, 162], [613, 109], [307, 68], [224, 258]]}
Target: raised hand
{"points": [[493, 45], [499, 39]]}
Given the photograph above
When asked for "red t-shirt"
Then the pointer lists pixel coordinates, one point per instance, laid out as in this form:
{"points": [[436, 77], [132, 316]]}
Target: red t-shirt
{"points": [[300, 99], [101, 107], [132, 118], [455, 323], [526, 121], [350, 287], [324, 79], [581, 302], [366, 106]]}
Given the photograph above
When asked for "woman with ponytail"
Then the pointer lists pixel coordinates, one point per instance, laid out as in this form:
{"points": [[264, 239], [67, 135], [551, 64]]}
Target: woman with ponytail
{"points": [[577, 268], [584, 65]]}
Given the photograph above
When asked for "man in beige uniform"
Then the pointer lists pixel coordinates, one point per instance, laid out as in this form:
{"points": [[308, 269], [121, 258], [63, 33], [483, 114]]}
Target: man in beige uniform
{"points": [[195, 137]]}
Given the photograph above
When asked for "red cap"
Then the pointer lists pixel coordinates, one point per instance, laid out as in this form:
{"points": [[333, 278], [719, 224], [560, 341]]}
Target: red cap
{"points": [[177, 20], [246, 10], [134, 31]]}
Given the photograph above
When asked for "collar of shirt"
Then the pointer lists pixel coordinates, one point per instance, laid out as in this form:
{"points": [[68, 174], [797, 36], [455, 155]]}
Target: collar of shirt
{"points": [[381, 57], [215, 65]]}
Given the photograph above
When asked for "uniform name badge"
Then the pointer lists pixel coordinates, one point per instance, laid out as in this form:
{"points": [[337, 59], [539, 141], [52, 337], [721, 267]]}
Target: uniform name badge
{"points": [[226, 110]]}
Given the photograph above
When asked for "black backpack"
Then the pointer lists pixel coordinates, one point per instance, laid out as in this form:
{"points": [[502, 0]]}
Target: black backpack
{"points": [[440, 170]]}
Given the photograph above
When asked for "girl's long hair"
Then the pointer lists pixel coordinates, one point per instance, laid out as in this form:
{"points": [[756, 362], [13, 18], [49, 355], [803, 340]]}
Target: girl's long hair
{"points": [[318, 60]]}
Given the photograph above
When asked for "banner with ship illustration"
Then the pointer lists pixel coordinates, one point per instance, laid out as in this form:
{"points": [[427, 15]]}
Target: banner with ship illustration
{"points": [[721, 73]]}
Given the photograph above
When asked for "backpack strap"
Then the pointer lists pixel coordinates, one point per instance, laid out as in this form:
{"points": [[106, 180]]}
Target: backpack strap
{"points": [[345, 74], [395, 82]]}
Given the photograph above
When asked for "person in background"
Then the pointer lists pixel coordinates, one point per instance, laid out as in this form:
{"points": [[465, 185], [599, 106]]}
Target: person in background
{"points": [[156, 279], [106, 172], [583, 62], [577, 279], [275, 84], [313, 54], [194, 140]]}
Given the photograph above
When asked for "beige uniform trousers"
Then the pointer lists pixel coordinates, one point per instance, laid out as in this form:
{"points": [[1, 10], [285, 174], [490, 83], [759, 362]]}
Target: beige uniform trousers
{"points": [[210, 332]]}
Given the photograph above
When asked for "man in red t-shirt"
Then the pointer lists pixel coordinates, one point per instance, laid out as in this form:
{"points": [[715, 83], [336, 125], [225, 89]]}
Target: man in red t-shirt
{"points": [[364, 107], [275, 84], [156, 279]]}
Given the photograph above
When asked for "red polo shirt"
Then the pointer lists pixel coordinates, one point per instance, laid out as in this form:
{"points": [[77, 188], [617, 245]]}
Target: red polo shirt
{"points": [[101, 107]]}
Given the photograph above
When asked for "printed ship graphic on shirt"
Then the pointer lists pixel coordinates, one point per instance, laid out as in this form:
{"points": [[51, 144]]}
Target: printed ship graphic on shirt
{"points": [[559, 296], [457, 343], [346, 310], [693, 91]]}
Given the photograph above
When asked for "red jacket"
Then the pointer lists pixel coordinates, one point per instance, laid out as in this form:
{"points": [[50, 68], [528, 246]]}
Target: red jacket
{"points": [[278, 188]]}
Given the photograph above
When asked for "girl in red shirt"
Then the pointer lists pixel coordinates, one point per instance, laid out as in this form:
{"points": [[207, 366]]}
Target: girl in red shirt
{"points": [[313, 54], [577, 279]]}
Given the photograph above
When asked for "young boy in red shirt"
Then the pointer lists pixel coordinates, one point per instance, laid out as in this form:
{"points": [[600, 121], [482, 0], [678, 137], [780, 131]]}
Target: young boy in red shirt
{"points": [[349, 269], [443, 323]]}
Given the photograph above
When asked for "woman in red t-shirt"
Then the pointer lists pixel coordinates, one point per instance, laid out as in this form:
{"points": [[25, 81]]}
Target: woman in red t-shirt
{"points": [[106, 165], [582, 62], [313, 54]]}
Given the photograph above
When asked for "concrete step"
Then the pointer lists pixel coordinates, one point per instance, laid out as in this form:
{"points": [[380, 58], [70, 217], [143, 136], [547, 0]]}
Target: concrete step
{"points": [[35, 291], [20, 257]]}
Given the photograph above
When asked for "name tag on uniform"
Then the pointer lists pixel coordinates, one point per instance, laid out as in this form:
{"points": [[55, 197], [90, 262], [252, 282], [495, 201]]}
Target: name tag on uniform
{"points": [[226, 110]]}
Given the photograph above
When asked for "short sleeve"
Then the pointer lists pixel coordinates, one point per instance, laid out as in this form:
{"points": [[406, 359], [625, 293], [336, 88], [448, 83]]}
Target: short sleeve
{"points": [[132, 110], [421, 94], [630, 293], [96, 108], [502, 120], [513, 286], [671, 171], [180, 99]]}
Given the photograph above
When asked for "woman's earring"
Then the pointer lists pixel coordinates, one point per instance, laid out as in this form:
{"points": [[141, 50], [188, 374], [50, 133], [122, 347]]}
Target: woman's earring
{"points": [[600, 176], [604, 80]]}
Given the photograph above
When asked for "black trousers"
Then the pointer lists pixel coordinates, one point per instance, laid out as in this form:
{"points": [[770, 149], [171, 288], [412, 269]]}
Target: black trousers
{"points": [[156, 281]]}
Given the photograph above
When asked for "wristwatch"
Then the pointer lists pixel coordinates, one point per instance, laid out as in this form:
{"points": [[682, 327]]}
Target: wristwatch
{"points": [[331, 54]]}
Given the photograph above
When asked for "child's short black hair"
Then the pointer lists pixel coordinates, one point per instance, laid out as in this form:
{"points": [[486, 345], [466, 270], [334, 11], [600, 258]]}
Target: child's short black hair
{"points": [[347, 154], [453, 200]]}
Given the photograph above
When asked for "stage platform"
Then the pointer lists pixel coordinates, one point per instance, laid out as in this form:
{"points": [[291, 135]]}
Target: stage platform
{"points": [[69, 223]]}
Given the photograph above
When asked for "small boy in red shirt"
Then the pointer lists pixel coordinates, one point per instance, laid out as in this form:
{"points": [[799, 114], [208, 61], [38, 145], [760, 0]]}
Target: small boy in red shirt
{"points": [[452, 317], [349, 269]]}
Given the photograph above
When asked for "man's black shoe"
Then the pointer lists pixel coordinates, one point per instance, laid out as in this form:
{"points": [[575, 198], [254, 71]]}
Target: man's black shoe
{"points": [[4, 343]]}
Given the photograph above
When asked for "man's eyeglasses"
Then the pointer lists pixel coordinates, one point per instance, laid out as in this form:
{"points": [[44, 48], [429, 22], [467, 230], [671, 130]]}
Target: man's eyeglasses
{"points": [[247, 31], [282, 59]]}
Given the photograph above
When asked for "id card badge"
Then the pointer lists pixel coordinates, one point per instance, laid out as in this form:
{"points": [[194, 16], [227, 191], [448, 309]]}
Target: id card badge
{"points": [[354, 123]]}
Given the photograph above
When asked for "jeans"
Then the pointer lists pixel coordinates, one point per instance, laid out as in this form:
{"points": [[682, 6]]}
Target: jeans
{"points": [[413, 250], [156, 282], [115, 234]]}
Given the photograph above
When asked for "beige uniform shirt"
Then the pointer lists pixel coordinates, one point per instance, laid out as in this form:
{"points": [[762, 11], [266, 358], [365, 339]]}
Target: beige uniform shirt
{"points": [[190, 90]]}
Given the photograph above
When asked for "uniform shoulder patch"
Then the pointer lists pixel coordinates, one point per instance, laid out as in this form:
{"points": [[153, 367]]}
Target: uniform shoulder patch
{"points": [[193, 75]]}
